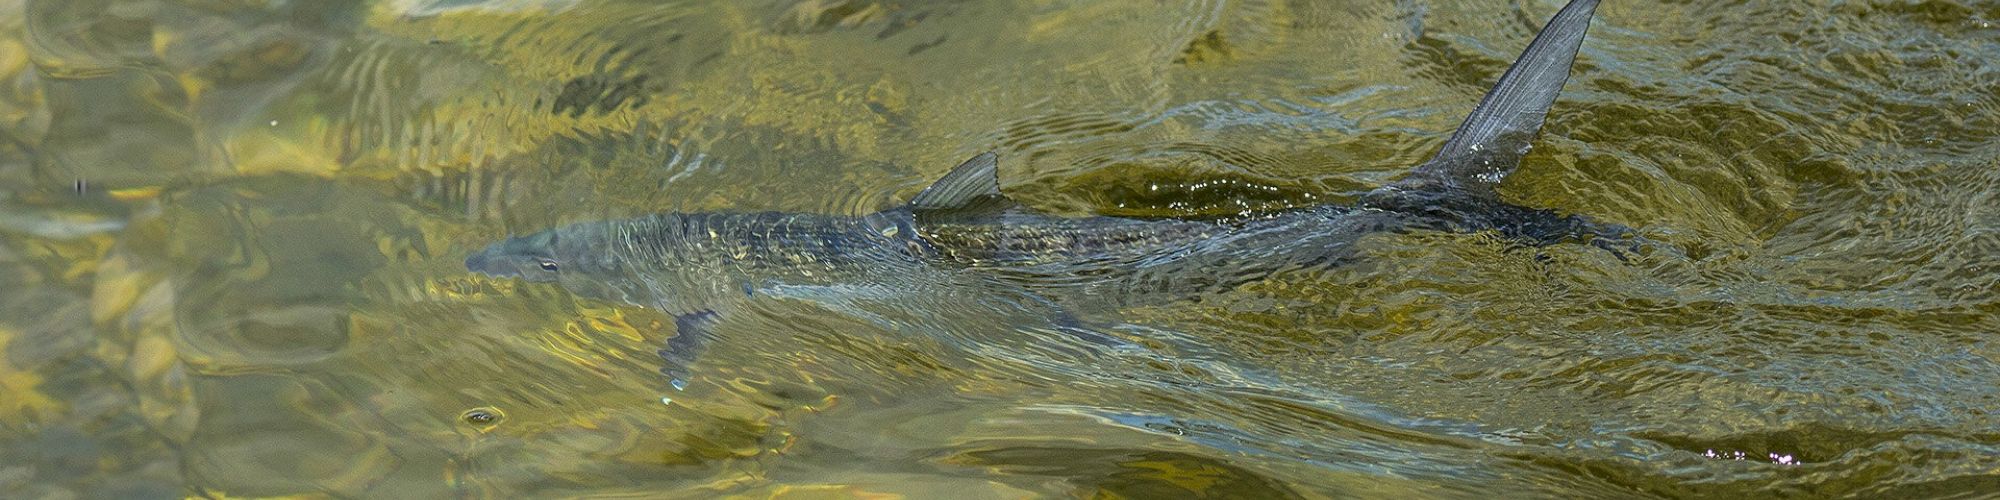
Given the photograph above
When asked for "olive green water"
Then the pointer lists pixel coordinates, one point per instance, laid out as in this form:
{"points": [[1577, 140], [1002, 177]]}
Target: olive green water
{"points": [[231, 235]]}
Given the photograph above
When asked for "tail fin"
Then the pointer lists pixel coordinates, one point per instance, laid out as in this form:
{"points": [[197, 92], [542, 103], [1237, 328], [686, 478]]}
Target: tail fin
{"points": [[1491, 142]]}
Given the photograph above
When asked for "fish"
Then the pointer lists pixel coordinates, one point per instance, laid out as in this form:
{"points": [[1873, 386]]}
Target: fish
{"points": [[962, 236]]}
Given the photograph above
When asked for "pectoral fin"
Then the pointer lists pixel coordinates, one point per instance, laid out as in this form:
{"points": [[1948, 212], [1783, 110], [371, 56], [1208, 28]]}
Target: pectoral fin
{"points": [[692, 333]]}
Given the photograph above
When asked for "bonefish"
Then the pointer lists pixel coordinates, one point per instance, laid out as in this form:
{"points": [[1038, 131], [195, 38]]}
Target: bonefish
{"points": [[699, 266]]}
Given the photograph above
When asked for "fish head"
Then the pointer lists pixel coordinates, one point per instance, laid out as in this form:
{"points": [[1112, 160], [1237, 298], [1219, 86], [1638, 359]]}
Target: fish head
{"points": [[536, 258], [579, 257]]}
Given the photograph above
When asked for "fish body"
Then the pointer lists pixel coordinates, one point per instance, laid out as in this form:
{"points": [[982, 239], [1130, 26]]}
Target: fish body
{"points": [[962, 231], [689, 262]]}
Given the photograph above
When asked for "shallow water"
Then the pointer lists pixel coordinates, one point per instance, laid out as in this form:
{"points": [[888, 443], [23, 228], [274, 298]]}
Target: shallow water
{"points": [[232, 235]]}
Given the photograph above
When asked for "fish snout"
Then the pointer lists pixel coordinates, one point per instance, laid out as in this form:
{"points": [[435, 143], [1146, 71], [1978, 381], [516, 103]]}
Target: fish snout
{"points": [[484, 262]]}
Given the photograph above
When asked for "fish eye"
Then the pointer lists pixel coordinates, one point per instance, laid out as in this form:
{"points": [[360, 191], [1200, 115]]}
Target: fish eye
{"points": [[548, 265]]}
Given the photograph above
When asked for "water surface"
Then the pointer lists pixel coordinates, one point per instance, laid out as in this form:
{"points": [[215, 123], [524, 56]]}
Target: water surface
{"points": [[231, 236]]}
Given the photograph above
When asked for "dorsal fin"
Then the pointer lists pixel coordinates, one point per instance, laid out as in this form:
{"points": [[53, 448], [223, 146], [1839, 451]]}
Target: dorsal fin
{"points": [[1490, 143], [975, 182]]}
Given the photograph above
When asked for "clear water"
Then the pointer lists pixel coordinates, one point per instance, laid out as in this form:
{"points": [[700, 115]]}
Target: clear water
{"points": [[231, 235]]}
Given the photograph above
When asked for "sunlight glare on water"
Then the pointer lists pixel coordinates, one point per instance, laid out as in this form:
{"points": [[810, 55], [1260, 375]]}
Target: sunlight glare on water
{"points": [[233, 238]]}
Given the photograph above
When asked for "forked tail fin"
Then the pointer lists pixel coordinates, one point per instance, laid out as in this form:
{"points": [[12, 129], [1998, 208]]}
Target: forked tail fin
{"points": [[1491, 142]]}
